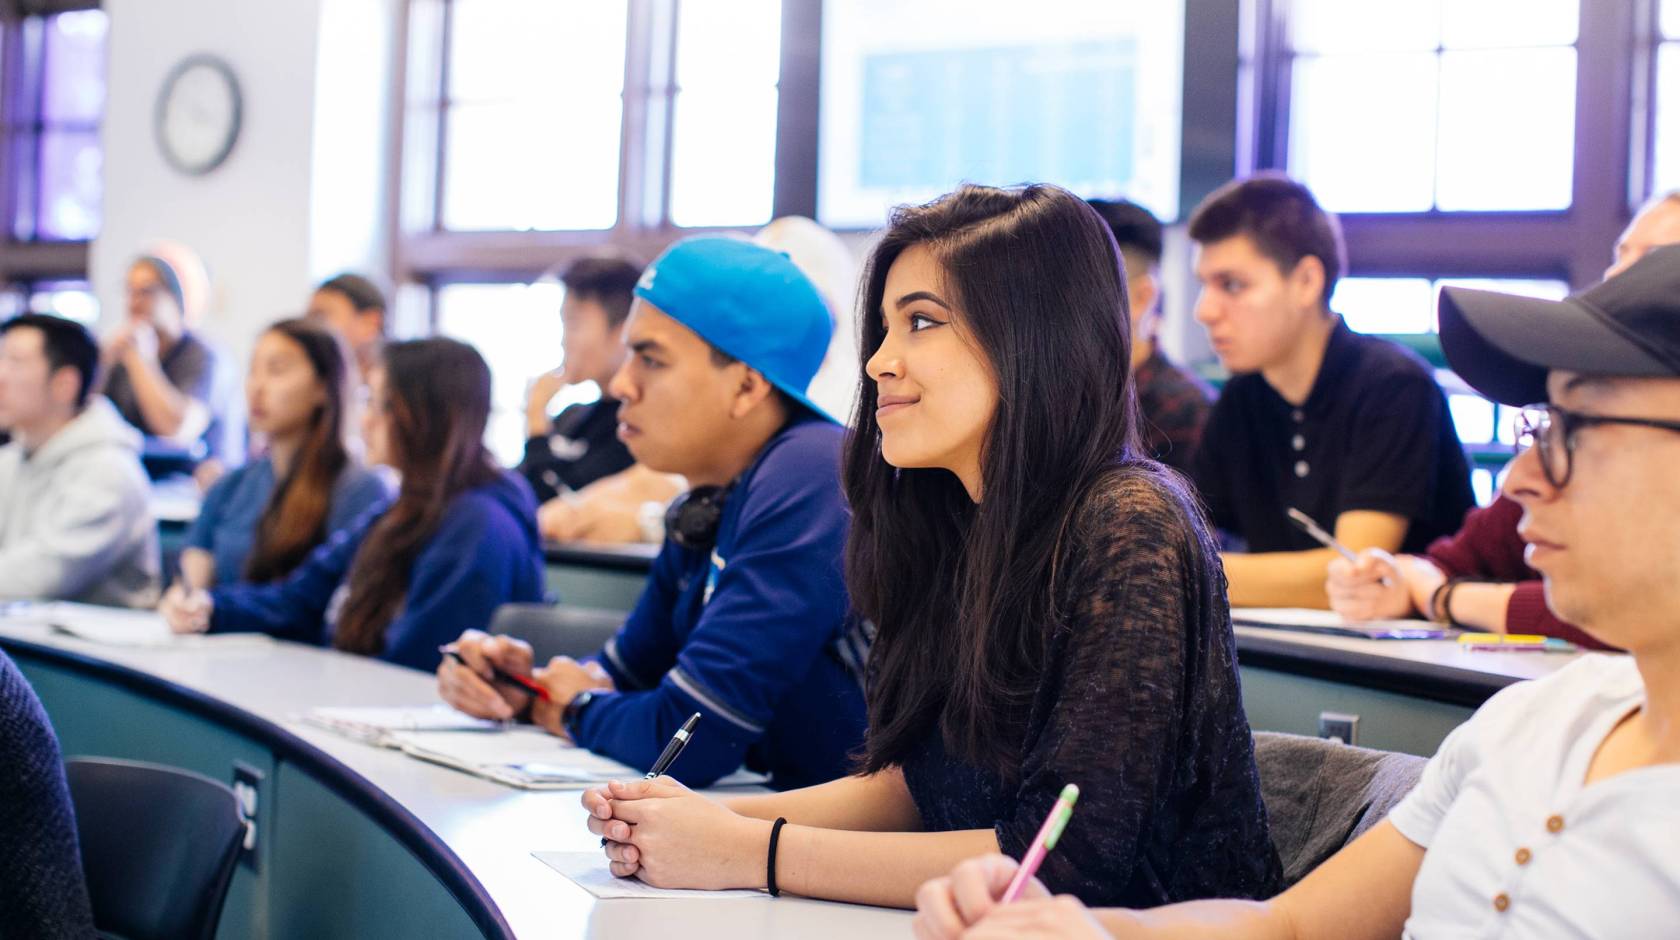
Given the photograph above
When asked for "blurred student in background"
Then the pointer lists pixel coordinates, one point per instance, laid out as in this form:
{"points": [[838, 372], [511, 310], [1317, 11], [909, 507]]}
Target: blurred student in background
{"points": [[261, 521], [459, 541]]}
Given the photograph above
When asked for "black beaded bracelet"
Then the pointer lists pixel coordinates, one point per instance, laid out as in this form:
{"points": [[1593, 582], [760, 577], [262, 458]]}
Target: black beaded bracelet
{"points": [[770, 863]]}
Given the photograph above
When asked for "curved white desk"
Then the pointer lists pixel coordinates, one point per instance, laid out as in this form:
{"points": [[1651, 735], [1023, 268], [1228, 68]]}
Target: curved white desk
{"points": [[354, 840]]}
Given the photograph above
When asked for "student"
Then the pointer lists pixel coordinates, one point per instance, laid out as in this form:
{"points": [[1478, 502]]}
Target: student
{"points": [[1494, 589], [42, 892], [75, 522], [353, 307], [1173, 402], [1047, 602], [264, 519], [160, 376], [459, 541], [1351, 430], [1551, 812], [581, 445], [744, 618]]}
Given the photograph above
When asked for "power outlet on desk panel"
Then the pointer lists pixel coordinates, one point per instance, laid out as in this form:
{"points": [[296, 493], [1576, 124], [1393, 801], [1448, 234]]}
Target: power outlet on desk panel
{"points": [[247, 786], [1338, 726]]}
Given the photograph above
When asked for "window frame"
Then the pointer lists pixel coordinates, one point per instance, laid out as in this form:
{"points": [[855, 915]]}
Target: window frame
{"points": [[28, 261], [1572, 245], [427, 254]]}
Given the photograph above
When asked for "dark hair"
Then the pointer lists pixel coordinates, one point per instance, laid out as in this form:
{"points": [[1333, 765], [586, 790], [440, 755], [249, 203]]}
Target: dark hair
{"points": [[609, 280], [65, 343], [295, 520], [963, 594], [1136, 231], [362, 293], [1281, 217], [438, 393]]}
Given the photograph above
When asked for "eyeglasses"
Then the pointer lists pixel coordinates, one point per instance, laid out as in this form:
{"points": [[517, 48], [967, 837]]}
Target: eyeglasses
{"points": [[1554, 429]]}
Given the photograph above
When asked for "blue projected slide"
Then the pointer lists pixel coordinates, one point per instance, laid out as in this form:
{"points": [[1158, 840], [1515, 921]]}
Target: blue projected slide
{"points": [[1059, 113]]}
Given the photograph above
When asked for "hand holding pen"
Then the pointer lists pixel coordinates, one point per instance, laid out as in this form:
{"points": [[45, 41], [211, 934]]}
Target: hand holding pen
{"points": [[185, 606]]}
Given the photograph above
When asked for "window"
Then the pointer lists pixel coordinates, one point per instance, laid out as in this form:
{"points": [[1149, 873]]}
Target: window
{"points": [[53, 128], [73, 300], [1407, 304], [530, 114], [1406, 106], [723, 135], [1666, 175], [516, 328]]}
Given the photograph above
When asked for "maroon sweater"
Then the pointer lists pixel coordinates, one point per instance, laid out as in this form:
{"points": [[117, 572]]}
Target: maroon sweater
{"points": [[1486, 547]]}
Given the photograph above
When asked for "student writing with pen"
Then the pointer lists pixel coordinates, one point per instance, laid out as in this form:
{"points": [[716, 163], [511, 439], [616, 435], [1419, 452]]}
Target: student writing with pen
{"points": [[745, 617], [1047, 601]]}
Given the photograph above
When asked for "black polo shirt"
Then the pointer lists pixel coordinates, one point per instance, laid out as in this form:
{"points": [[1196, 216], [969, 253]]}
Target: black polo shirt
{"points": [[1375, 433], [582, 448]]}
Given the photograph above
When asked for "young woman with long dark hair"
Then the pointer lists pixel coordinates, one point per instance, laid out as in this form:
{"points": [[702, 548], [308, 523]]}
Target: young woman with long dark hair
{"points": [[459, 541], [261, 521], [1049, 605]]}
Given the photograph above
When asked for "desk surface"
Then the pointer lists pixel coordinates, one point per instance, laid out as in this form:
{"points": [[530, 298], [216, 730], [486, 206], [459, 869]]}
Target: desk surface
{"points": [[634, 556], [483, 831], [1434, 669]]}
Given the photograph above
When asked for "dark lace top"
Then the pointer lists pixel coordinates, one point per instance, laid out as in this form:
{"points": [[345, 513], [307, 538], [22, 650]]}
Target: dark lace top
{"points": [[1140, 705]]}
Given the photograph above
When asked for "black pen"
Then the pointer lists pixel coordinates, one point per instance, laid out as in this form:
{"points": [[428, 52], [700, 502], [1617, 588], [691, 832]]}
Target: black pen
{"points": [[672, 751]]}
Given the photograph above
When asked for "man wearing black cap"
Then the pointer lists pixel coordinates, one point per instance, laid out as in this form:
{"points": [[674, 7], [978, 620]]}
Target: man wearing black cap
{"points": [[1551, 812]]}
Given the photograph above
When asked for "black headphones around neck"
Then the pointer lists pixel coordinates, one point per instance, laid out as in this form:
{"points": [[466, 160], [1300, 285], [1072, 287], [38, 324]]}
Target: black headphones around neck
{"points": [[692, 519]]}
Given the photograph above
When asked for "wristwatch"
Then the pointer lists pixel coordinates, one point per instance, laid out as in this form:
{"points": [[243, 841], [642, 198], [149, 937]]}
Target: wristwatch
{"points": [[574, 711]]}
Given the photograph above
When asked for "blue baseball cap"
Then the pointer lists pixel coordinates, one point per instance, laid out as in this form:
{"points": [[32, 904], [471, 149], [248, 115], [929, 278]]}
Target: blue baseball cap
{"points": [[748, 301]]}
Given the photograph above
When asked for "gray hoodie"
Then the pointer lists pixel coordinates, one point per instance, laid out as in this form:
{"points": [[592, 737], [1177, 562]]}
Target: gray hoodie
{"points": [[75, 518]]}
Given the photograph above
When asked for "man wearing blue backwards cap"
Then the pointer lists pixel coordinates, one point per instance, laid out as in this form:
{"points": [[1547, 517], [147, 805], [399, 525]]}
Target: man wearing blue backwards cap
{"points": [[745, 617]]}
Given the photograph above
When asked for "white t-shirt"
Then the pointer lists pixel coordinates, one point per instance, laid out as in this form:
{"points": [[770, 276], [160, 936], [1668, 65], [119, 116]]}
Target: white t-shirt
{"points": [[1519, 845]]}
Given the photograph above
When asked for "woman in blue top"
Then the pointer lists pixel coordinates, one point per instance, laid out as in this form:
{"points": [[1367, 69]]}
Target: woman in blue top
{"points": [[262, 520], [459, 541]]}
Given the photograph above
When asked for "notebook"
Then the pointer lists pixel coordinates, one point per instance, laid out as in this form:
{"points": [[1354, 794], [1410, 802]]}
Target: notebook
{"points": [[1330, 623]]}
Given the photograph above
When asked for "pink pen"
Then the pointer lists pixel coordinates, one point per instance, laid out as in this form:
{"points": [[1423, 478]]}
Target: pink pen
{"points": [[1044, 841]]}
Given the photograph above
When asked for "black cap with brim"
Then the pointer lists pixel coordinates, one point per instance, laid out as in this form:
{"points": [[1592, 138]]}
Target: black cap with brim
{"points": [[1504, 345]]}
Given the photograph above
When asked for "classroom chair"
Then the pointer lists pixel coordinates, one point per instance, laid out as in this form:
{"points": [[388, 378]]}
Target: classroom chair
{"points": [[557, 630], [1321, 795], [159, 846]]}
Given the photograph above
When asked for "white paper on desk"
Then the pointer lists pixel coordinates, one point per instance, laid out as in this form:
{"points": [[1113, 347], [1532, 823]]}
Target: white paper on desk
{"points": [[114, 626], [1330, 622], [588, 870], [506, 756], [378, 725]]}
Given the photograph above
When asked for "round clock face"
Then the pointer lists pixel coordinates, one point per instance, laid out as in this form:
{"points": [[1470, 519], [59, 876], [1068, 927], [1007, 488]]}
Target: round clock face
{"points": [[198, 114]]}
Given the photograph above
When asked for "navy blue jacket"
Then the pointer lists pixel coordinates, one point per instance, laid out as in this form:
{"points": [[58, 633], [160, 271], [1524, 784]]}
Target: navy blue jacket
{"points": [[42, 894], [485, 553], [756, 635]]}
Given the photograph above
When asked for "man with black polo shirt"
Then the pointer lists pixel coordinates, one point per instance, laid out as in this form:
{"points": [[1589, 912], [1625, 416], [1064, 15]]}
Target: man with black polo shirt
{"points": [[1351, 430]]}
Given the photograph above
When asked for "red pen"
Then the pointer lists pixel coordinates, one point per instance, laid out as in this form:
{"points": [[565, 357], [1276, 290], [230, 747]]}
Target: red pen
{"points": [[528, 684]]}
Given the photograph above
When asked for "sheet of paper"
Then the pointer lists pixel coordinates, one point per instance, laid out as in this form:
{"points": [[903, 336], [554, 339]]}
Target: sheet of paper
{"points": [[588, 870], [521, 756], [114, 626], [433, 717]]}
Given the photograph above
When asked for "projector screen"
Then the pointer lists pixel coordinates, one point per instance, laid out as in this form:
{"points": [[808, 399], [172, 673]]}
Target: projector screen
{"points": [[918, 97]]}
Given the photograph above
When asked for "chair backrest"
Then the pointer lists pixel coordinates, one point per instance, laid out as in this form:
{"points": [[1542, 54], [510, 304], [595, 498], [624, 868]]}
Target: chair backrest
{"points": [[159, 846], [557, 630], [1320, 794]]}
